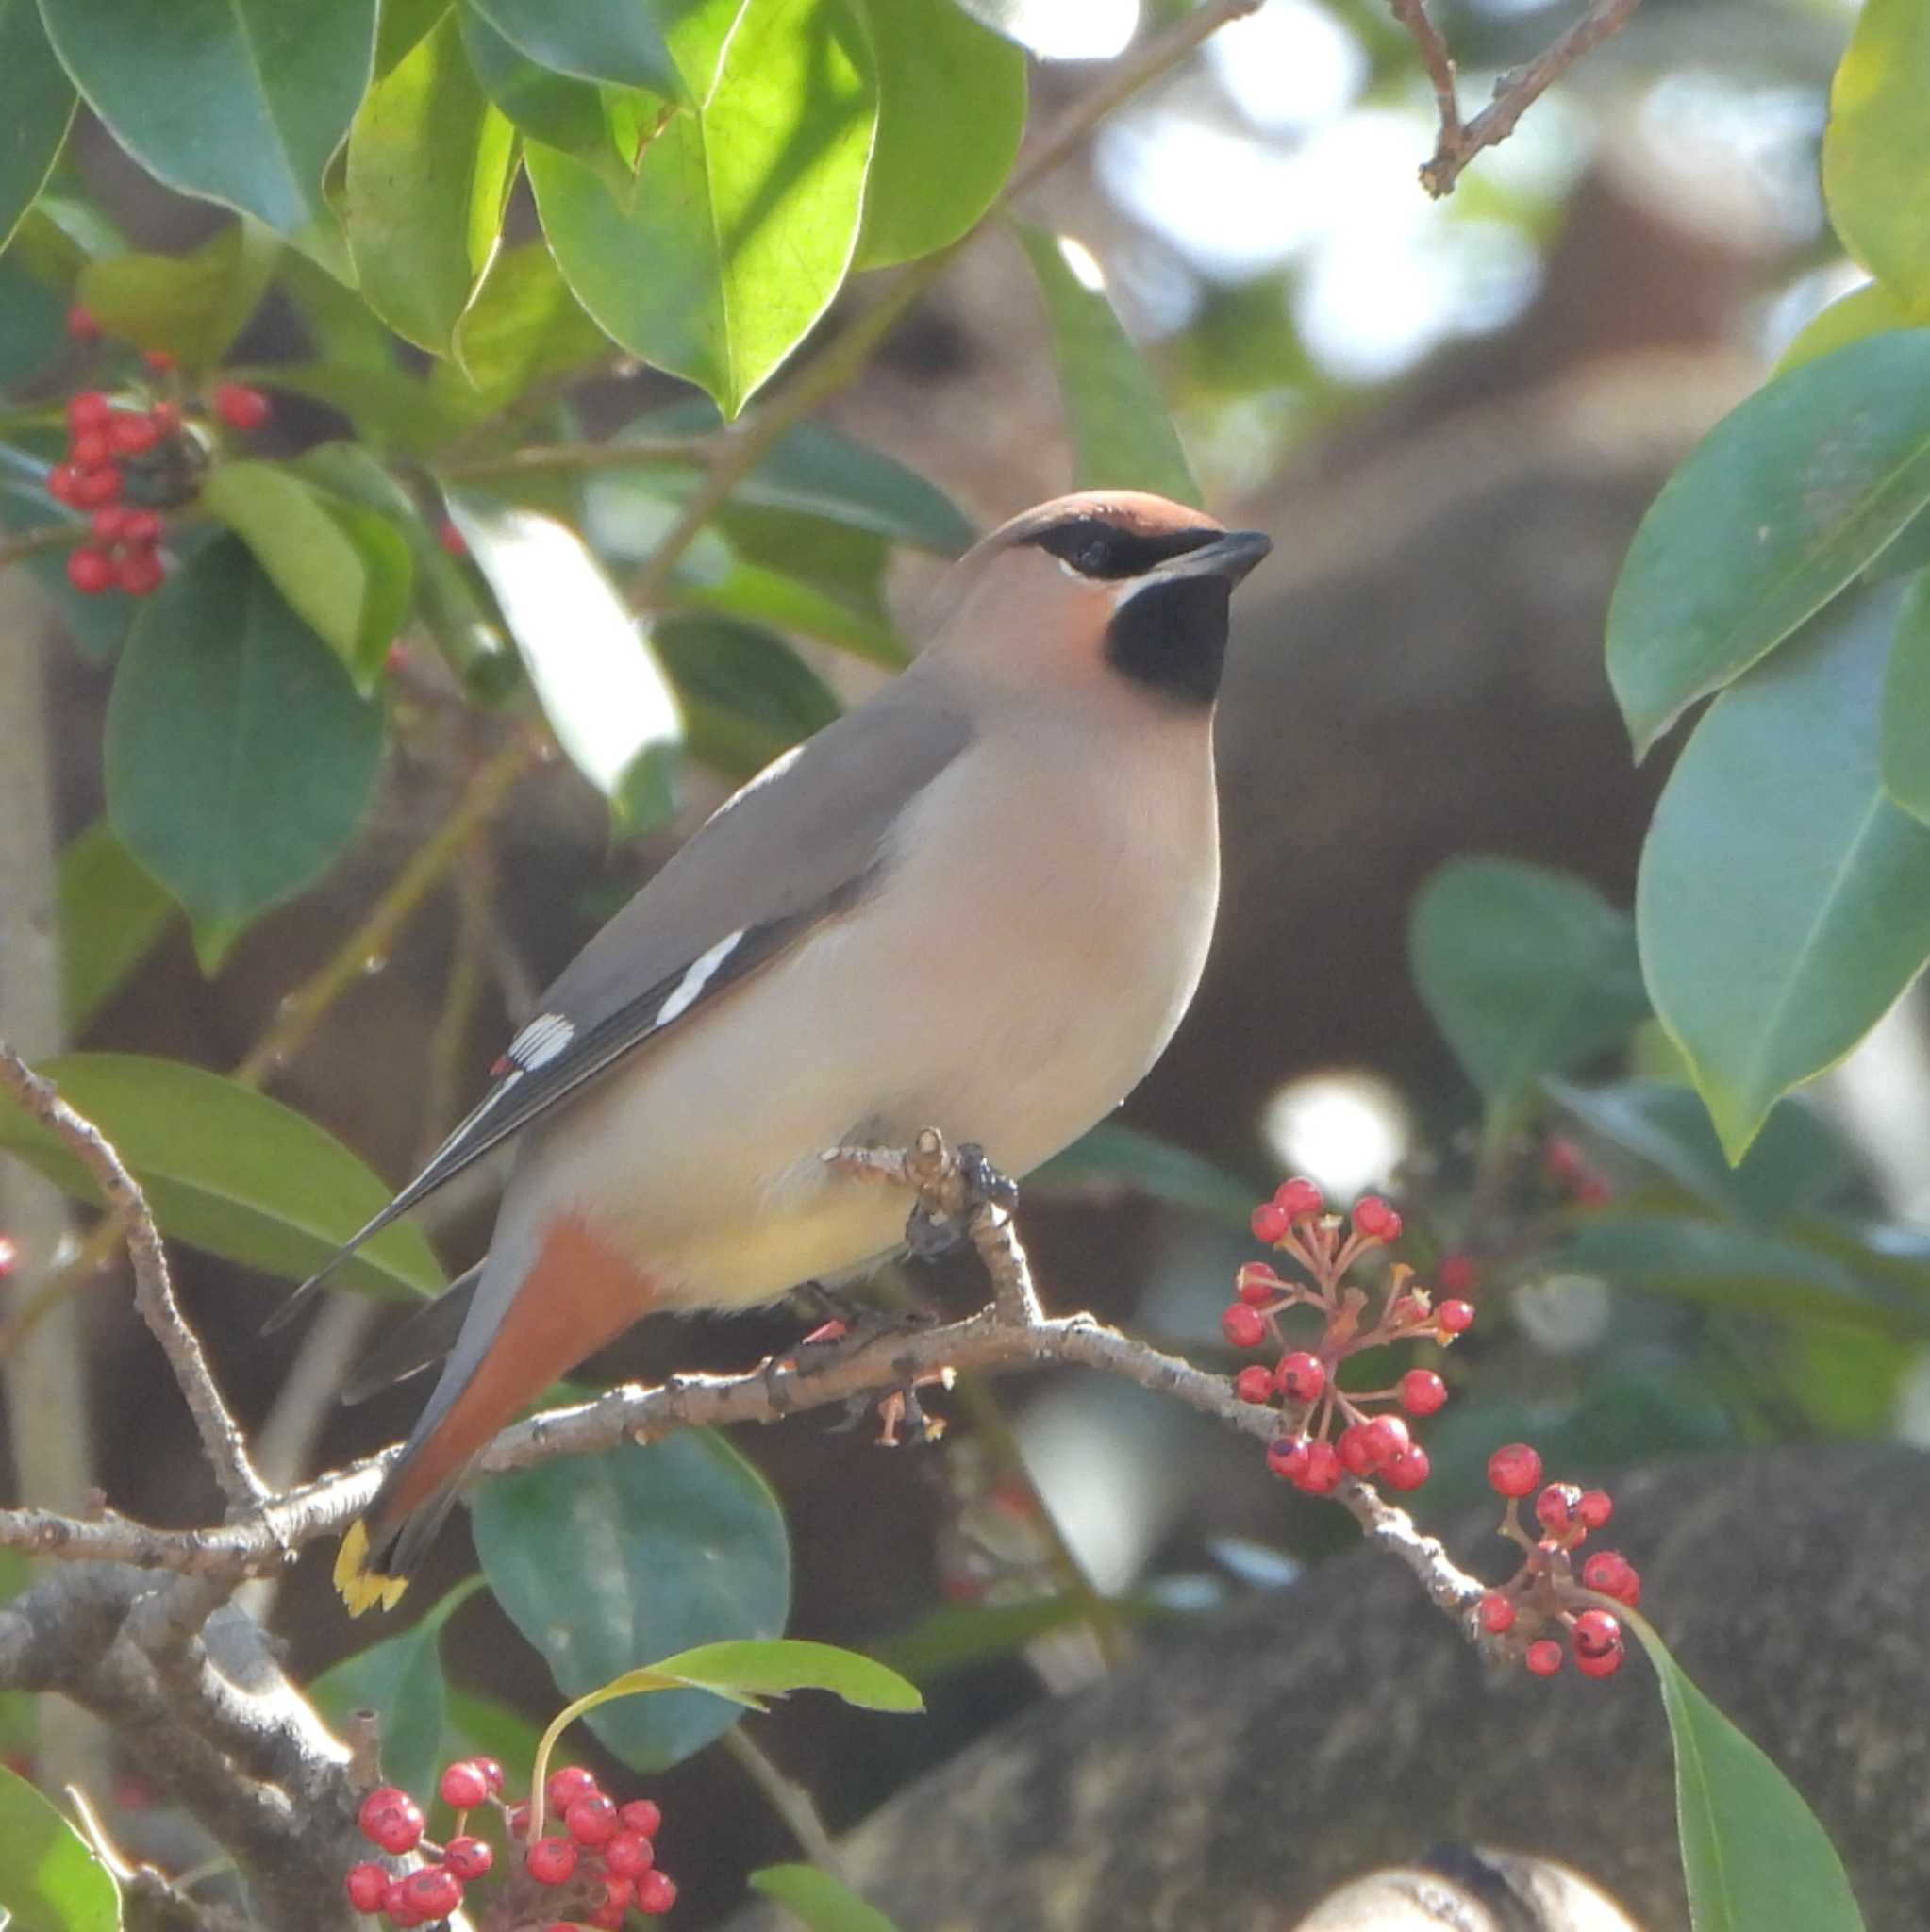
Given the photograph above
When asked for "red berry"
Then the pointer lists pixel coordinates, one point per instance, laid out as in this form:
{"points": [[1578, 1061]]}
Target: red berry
{"points": [[1562, 1159], [642, 1816], [110, 525], [467, 1857], [1514, 1470], [63, 484], [1455, 1318], [1455, 1273], [1373, 1218], [464, 1786], [491, 1771], [241, 408], [606, 1915], [166, 417], [1422, 1391], [1543, 1657], [1323, 1472], [1595, 1633], [1359, 1449], [1593, 1192], [1497, 1613], [1408, 1469], [1554, 1508], [656, 1894], [1610, 1572], [82, 327], [569, 1784], [630, 1854], [90, 571], [392, 1819], [1302, 1377], [451, 539], [1594, 1508], [396, 1907], [1299, 1198], [1254, 1384], [1257, 1285], [592, 1821], [133, 435], [158, 360], [433, 1893], [551, 1860], [1604, 1665], [1287, 1457], [142, 526], [88, 408], [1244, 1327], [88, 449], [367, 1887], [1269, 1223], [139, 571], [92, 488]]}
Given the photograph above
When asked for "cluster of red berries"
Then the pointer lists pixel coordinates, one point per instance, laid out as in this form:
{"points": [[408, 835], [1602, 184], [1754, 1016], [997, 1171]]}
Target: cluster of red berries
{"points": [[1308, 1452], [594, 1872], [1544, 1596]]}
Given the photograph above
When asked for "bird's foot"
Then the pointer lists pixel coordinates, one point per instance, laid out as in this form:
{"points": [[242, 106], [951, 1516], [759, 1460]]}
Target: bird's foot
{"points": [[904, 1421], [850, 1327]]}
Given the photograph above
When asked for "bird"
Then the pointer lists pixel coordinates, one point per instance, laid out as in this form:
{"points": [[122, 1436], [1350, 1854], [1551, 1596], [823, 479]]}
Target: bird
{"points": [[979, 902]]}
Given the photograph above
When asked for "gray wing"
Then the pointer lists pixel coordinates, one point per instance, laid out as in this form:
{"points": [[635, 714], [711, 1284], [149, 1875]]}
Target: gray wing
{"points": [[795, 846]]}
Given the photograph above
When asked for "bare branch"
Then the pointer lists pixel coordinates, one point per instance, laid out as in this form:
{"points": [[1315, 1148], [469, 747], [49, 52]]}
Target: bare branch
{"points": [[1460, 141], [154, 1291]]}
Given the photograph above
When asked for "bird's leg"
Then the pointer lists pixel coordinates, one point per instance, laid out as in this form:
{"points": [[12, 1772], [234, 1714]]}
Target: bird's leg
{"points": [[851, 1325]]}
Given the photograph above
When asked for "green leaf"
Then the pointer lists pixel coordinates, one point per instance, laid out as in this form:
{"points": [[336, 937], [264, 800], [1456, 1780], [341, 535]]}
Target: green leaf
{"points": [[1779, 920], [402, 25], [1786, 500], [242, 102], [1903, 748], [483, 1727], [957, 1637], [767, 597], [111, 915], [1869, 311], [1122, 437], [1753, 1854], [344, 569], [745, 694], [818, 1900], [951, 109], [1875, 156], [551, 106], [1113, 1159], [49, 1880], [230, 1170], [599, 685], [1715, 1265], [775, 1667], [1060, 30], [746, 209], [36, 330], [1525, 971], [239, 761], [523, 326], [617, 41], [601, 1559], [401, 1679], [193, 304], [430, 166], [36, 105]]}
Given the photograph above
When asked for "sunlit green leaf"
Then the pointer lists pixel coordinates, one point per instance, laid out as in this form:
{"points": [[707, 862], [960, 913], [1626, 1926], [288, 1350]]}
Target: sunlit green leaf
{"points": [[192, 305], [618, 41], [36, 105], [402, 24], [1875, 156], [818, 1900], [49, 1880], [110, 914], [1866, 311], [775, 1667], [523, 326]]}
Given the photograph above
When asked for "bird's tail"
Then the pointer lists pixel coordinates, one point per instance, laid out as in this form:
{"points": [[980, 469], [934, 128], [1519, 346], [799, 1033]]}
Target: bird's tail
{"points": [[378, 1550]]}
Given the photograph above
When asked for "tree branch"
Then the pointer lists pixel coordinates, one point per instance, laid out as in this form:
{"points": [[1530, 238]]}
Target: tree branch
{"points": [[1460, 141]]}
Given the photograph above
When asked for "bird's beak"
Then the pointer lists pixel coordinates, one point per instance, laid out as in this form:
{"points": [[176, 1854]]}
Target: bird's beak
{"points": [[1230, 556]]}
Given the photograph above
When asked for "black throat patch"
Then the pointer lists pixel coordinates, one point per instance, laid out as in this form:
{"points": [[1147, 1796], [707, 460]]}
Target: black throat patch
{"points": [[1171, 637]]}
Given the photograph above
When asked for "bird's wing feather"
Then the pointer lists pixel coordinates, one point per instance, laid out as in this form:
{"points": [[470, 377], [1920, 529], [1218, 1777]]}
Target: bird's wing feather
{"points": [[794, 847]]}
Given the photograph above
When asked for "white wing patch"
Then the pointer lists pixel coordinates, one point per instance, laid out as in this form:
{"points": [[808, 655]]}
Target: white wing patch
{"points": [[686, 992], [541, 1040]]}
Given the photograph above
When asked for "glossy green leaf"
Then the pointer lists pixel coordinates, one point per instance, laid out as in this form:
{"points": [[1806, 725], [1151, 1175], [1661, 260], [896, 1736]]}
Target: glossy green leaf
{"points": [[1060, 30], [1743, 1271], [402, 26], [36, 330], [1869, 311], [49, 1880], [818, 1900], [192, 305], [775, 1667], [1876, 153], [1753, 1855], [600, 1560], [1525, 971], [36, 105], [390, 409], [242, 102], [1796, 1164], [746, 209], [1123, 437], [1786, 500], [600, 686], [766, 597], [1903, 747], [239, 761], [549, 107], [111, 915], [230, 1170], [400, 1678], [1779, 920], [61, 234], [745, 694], [524, 326], [951, 109], [344, 571], [429, 165], [618, 41], [1113, 1159]]}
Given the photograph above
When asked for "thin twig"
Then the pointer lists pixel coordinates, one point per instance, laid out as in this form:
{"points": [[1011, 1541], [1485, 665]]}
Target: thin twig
{"points": [[38, 543], [618, 452], [154, 1294], [1459, 142], [788, 1799]]}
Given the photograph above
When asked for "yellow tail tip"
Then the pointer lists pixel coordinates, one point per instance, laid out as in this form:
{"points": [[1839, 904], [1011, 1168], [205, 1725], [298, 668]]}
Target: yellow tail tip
{"points": [[359, 1587]]}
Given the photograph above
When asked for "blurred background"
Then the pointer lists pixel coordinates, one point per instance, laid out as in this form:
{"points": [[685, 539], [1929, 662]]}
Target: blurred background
{"points": [[1450, 416]]}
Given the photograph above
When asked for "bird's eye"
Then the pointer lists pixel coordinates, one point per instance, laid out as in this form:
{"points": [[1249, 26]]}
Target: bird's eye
{"points": [[1094, 556]]}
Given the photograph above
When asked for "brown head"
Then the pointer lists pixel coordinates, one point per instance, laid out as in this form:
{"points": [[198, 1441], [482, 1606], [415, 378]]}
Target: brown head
{"points": [[1108, 584]]}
